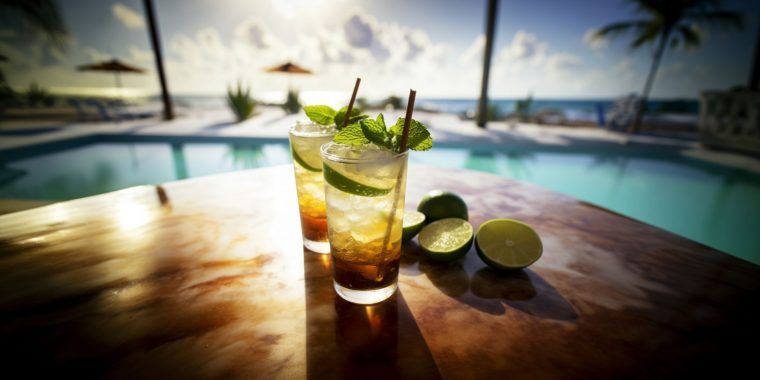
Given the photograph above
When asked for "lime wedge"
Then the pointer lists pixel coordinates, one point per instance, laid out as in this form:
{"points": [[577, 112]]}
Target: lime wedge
{"points": [[413, 222], [310, 167], [507, 244], [440, 204], [343, 183], [446, 239]]}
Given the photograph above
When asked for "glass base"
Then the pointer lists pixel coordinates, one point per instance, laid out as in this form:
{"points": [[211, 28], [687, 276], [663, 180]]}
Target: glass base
{"points": [[365, 297], [316, 246]]}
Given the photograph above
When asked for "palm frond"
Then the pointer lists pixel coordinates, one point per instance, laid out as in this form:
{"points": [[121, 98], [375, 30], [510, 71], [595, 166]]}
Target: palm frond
{"points": [[690, 36], [648, 34], [39, 15], [721, 19], [618, 28], [652, 7]]}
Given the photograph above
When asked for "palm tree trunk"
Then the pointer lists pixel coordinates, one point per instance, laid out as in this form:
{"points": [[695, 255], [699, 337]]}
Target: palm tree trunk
{"points": [[636, 126], [482, 116], [150, 14]]}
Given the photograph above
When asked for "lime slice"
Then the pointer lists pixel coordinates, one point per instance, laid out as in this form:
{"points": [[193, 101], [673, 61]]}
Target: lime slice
{"points": [[343, 183], [439, 204], [446, 239], [507, 244], [413, 222], [308, 166]]}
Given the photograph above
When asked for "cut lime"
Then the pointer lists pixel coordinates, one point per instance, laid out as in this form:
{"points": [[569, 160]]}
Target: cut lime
{"points": [[343, 183], [446, 239], [310, 167], [413, 222], [439, 204], [507, 244]]}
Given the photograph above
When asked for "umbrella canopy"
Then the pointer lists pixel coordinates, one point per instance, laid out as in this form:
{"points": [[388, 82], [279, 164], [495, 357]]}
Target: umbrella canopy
{"points": [[288, 68], [113, 65]]}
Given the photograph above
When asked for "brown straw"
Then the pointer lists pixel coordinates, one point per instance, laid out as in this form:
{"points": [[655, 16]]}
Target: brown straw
{"points": [[351, 103], [408, 120], [392, 214]]}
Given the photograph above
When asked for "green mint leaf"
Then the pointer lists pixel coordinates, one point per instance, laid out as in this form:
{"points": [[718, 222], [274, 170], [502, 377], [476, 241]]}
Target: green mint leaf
{"points": [[322, 115], [351, 135], [356, 116], [398, 128], [425, 144], [375, 132], [381, 120], [419, 137]]}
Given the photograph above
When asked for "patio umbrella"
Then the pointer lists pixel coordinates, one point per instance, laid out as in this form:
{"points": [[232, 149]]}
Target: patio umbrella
{"points": [[115, 66], [288, 68]]}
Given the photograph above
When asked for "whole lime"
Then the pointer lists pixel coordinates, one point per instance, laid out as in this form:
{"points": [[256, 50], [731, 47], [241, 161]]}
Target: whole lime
{"points": [[441, 204]]}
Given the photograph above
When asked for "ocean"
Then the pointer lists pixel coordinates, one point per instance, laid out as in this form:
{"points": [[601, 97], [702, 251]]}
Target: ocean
{"points": [[573, 109]]}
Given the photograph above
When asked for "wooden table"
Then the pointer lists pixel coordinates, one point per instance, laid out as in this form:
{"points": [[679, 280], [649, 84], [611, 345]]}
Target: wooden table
{"points": [[206, 278]]}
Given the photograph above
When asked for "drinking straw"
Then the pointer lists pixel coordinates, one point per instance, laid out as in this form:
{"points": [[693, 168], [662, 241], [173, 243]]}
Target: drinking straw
{"points": [[351, 103], [397, 191]]}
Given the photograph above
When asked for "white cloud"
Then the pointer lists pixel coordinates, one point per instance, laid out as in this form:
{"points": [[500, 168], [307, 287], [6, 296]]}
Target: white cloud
{"points": [[359, 30], [525, 47], [254, 34], [129, 17], [563, 61], [474, 52], [96, 55], [593, 41], [624, 68], [57, 54], [139, 55]]}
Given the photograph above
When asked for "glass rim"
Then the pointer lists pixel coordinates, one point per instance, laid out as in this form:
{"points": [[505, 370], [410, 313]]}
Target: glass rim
{"points": [[332, 157], [292, 131]]}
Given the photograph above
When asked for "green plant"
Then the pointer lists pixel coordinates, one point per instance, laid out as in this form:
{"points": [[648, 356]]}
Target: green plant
{"points": [[292, 104], [240, 102], [522, 108], [669, 22], [393, 101], [36, 96]]}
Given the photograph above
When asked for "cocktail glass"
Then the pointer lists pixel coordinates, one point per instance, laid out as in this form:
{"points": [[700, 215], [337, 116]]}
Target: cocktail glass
{"points": [[305, 141], [364, 191]]}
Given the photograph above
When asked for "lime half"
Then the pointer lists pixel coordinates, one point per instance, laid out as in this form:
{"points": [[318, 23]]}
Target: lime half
{"points": [[446, 239], [439, 204], [413, 222], [308, 166], [507, 244], [348, 185]]}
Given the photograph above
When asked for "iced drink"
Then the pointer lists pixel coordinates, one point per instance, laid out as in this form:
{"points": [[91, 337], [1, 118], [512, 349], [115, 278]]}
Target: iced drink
{"points": [[364, 190], [305, 141]]}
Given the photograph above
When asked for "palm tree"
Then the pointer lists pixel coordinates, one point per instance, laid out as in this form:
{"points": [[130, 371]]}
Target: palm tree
{"points": [[40, 16], [36, 16], [671, 23]]}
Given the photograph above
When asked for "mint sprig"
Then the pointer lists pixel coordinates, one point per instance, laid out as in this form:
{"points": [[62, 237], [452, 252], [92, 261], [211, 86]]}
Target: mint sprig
{"points": [[326, 115], [368, 131]]}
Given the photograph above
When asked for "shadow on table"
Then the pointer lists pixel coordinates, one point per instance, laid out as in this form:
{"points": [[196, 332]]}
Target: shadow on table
{"points": [[471, 282], [345, 340]]}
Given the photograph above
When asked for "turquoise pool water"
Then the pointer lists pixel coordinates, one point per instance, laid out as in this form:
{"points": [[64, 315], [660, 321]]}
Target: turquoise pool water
{"points": [[712, 204]]}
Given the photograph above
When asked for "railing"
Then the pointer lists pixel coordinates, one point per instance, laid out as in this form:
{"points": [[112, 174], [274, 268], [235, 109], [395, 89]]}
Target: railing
{"points": [[730, 120]]}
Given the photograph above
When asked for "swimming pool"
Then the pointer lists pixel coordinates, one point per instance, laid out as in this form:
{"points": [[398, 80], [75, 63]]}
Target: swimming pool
{"points": [[712, 204]]}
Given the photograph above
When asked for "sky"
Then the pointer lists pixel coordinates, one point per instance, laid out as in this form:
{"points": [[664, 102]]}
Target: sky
{"points": [[436, 47]]}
